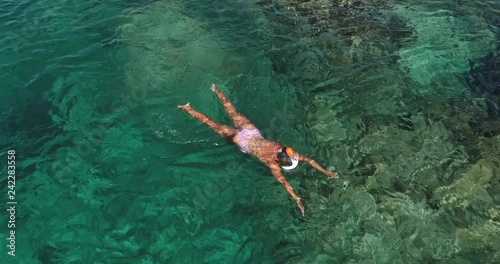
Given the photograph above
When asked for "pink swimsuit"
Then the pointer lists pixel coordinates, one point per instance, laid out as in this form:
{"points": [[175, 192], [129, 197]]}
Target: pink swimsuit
{"points": [[244, 135]]}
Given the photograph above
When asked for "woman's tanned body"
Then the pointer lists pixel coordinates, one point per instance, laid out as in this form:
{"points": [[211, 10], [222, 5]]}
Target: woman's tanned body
{"points": [[248, 138]]}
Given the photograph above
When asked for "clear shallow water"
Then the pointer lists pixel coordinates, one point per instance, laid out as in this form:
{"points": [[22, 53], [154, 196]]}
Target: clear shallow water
{"points": [[110, 171]]}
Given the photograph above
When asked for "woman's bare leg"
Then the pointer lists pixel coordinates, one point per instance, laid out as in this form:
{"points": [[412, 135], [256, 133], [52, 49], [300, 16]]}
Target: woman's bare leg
{"points": [[238, 119], [223, 130]]}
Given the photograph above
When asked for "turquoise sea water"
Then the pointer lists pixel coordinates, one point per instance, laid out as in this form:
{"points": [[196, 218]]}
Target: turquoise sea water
{"points": [[109, 171]]}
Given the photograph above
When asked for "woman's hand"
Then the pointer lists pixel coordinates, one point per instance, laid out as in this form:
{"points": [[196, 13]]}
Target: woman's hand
{"points": [[331, 174]]}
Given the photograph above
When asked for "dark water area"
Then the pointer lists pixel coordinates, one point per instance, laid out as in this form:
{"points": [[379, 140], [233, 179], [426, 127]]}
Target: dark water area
{"points": [[401, 99]]}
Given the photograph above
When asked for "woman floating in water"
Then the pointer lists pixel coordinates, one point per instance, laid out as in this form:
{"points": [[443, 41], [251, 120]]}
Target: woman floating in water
{"points": [[248, 138]]}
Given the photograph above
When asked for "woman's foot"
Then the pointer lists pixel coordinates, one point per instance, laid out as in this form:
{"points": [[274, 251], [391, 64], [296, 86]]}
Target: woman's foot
{"points": [[213, 88], [184, 106]]}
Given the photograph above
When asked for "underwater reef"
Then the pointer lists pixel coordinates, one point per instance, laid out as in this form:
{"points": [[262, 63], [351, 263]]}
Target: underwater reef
{"points": [[388, 105]]}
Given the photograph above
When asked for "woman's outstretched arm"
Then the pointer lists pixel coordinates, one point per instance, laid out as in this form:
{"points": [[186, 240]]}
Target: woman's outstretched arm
{"points": [[276, 170], [316, 166]]}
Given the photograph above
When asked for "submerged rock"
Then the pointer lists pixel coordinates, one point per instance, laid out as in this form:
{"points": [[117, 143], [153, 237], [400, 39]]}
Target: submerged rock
{"points": [[484, 79], [468, 189], [440, 43], [470, 207], [333, 34]]}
